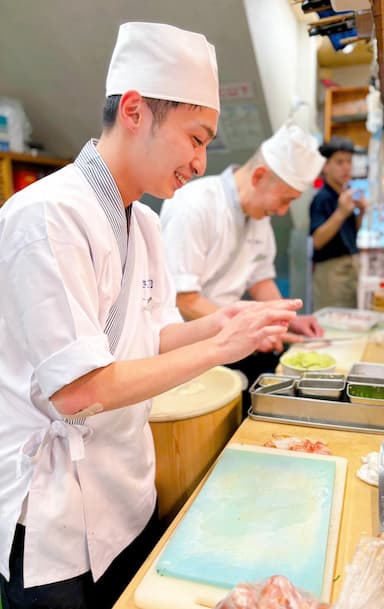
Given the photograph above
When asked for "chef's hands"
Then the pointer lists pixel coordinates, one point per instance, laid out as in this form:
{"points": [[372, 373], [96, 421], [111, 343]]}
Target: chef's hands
{"points": [[223, 315], [249, 326], [306, 325], [300, 326]]}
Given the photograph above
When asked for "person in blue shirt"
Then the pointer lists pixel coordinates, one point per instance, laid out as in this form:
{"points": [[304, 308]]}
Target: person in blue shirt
{"points": [[336, 214]]}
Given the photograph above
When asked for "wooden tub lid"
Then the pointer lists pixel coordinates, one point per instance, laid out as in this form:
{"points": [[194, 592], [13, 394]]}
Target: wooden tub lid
{"points": [[207, 392]]}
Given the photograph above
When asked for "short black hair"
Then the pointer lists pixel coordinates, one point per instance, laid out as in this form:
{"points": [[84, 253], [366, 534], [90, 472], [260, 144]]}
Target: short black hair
{"points": [[336, 144], [111, 105], [158, 107]]}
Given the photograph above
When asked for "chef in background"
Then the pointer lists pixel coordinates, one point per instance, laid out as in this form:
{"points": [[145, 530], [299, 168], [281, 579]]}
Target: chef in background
{"points": [[336, 214], [220, 242], [88, 325]]}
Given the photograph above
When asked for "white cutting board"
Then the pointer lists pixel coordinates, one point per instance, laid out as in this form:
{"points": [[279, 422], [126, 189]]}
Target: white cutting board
{"points": [[164, 592]]}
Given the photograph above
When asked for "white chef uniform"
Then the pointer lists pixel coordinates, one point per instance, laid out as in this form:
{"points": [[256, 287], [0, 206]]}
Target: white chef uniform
{"points": [[227, 252], [90, 487]]}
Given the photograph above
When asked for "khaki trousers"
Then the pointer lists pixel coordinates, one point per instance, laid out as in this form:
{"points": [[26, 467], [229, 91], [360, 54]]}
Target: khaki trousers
{"points": [[334, 282]]}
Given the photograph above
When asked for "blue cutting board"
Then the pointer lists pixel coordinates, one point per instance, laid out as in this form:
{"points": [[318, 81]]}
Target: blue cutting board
{"points": [[258, 514]]}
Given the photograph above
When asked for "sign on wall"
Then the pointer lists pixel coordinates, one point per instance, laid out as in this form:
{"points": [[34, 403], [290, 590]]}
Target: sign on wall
{"points": [[236, 90], [241, 125]]}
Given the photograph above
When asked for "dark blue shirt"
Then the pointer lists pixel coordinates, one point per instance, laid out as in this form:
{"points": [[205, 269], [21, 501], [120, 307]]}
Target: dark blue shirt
{"points": [[344, 242]]}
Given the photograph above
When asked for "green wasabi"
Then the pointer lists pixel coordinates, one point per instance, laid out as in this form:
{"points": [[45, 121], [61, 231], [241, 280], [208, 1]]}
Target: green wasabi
{"points": [[366, 391], [308, 360]]}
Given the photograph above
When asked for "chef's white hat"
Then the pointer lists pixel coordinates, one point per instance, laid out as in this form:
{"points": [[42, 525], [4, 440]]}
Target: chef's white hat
{"points": [[293, 156], [164, 62]]}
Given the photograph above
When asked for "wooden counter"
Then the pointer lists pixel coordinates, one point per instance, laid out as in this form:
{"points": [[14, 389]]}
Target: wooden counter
{"points": [[360, 513]]}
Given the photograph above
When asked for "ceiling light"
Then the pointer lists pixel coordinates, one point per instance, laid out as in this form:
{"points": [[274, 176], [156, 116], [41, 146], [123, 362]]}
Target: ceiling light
{"points": [[349, 48]]}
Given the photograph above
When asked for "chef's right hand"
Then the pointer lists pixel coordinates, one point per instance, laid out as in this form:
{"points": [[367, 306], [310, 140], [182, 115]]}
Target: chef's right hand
{"points": [[254, 327]]}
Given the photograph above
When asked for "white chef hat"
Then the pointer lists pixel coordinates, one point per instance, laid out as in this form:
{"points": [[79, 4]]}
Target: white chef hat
{"points": [[164, 62], [293, 156]]}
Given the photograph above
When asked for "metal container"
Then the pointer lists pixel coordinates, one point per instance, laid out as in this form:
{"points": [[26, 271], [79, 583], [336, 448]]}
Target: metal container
{"points": [[328, 376], [276, 384], [271, 379], [326, 389], [366, 393], [362, 372], [330, 414]]}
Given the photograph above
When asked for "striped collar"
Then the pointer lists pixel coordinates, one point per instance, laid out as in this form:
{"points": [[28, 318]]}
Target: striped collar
{"points": [[97, 173]]}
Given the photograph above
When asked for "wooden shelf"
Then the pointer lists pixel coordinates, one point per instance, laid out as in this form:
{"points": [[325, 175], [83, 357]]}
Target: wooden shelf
{"points": [[345, 114], [18, 170], [349, 118]]}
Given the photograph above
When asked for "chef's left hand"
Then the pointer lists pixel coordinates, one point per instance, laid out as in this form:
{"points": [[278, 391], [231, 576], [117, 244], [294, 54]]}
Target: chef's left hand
{"points": [[306, 325]]}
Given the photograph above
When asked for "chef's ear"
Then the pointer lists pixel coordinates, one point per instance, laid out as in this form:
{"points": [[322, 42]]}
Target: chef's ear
{"points": [[258, 173], [130, 109]]}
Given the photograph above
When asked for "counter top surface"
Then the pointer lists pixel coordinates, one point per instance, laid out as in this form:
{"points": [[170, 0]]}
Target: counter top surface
{"points": [[360, 514]]}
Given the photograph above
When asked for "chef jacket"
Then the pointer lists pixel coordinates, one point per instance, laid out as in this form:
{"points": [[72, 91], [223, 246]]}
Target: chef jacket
{"points": [[211, 246], [88, 488]]}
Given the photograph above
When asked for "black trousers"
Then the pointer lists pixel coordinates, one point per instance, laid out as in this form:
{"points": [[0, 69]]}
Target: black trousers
{"points": [[78, 592], [252, 366]]}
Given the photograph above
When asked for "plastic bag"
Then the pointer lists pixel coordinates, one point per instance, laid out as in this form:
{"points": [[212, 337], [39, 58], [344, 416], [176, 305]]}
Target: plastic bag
{"points": [[276, 593], [363, 586], [15, 128]]}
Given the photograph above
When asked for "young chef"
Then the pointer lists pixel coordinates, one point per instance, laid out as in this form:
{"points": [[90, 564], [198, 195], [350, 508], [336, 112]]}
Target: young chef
{"points": [[219, 239], [88, 323]]}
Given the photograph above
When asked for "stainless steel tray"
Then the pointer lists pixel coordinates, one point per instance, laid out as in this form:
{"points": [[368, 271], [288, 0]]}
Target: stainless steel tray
{"points": [[331, 414]]}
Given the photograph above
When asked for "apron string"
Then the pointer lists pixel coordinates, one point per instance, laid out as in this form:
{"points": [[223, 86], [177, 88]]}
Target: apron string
{"points": [[31, 450]]}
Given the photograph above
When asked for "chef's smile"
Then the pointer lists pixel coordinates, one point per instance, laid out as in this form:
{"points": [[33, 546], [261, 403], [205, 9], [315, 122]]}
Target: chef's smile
{"points": [[181, 180]]}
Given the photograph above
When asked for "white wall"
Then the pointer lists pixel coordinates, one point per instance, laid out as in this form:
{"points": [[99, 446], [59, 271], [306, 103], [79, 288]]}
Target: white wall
{"points": [[287, 62], [286, 57]]}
